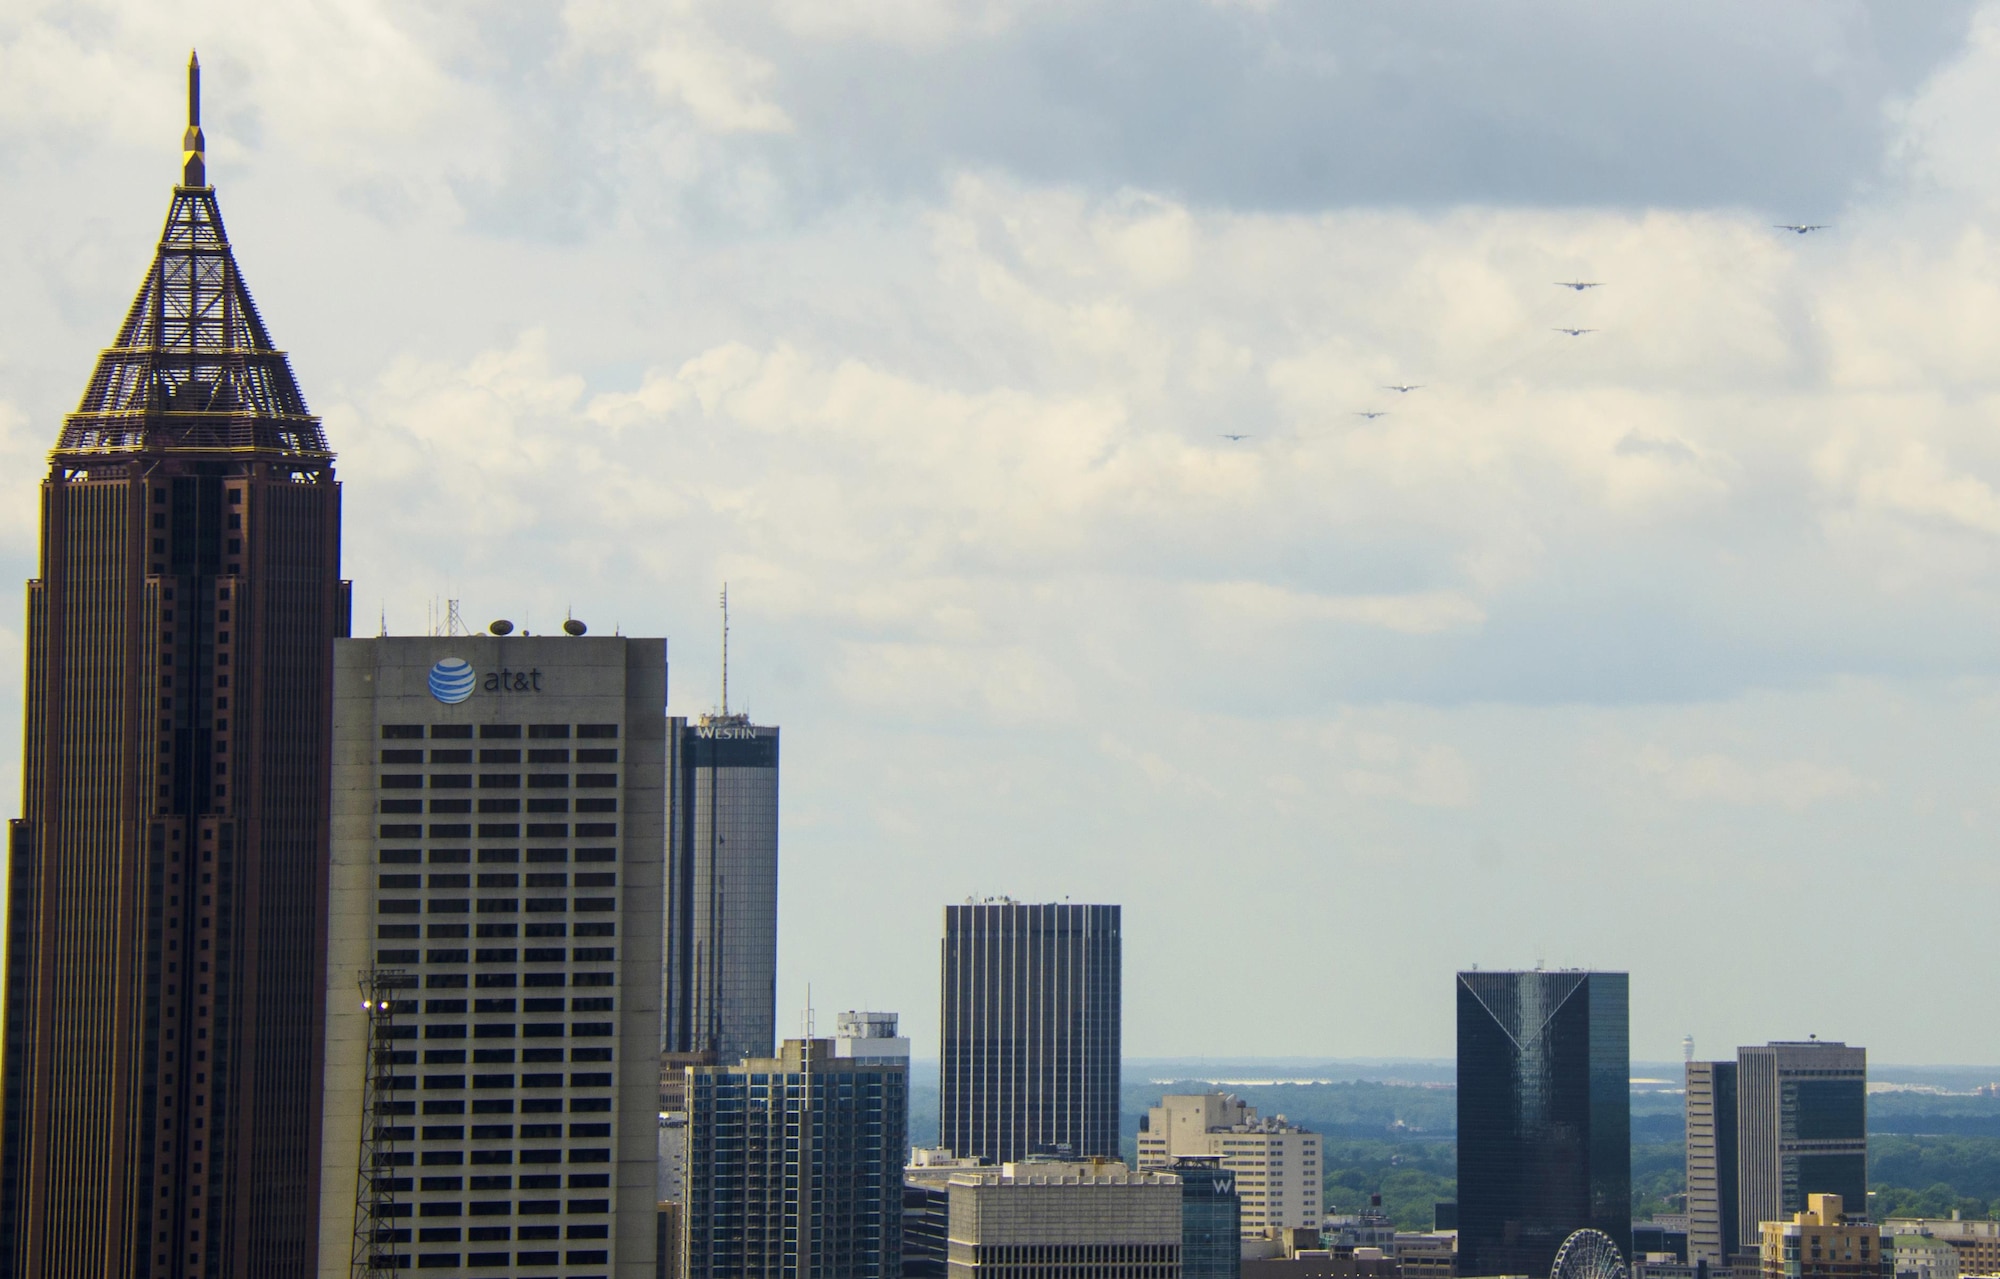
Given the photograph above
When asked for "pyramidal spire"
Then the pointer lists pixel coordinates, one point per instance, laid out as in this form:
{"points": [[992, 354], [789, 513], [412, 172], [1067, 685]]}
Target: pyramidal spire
{"points": [[194, 167], [193, 370]]}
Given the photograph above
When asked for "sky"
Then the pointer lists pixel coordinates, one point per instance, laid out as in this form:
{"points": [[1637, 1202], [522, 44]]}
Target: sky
{"points": [[1668, 647]]}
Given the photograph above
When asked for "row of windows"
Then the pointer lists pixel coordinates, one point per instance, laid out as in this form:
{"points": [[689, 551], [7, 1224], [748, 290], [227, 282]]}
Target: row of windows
{"points": [[451, 1260], [508, 955], [487, 856], [499, 1105], [456, 981], [1073, 1253], [497, 830], [540, 928], [490, 905], [502, 1181], [494, 755], [488, 1132], [542, 804], [405, 732], [496, 781], [505, 879], [456, 1083]]}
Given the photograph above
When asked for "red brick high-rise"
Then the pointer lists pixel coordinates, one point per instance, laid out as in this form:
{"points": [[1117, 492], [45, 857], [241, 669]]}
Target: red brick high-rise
{"points": [[167, 893]]}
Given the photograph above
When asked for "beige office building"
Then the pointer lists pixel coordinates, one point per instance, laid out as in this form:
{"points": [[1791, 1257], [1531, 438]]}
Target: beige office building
{"points": [[1977, 1241], [1060, 1219], [1821, 1243], [498, 860], [1277, 1164]]}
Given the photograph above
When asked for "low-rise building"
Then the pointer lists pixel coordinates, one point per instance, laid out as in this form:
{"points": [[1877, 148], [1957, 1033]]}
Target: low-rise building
{"points": [[1431, 1255], [927, 1209], [1919, 1256], [1821, 1243], [1065, 1219], [1211, 1219], [1277, 1163], [1978, 1242]]}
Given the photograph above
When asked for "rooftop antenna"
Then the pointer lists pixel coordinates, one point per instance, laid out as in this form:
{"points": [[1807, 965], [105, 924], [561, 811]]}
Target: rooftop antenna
{"points": [[725, 685], [454, 622], [384, 633], [194, 167]]}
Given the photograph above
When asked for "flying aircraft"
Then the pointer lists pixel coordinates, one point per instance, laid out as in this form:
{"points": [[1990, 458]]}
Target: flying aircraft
{"points": [[1799, 228], [1405, 387], [1227, 436], [1576, 333], [1579, 285], [1371, 414]]}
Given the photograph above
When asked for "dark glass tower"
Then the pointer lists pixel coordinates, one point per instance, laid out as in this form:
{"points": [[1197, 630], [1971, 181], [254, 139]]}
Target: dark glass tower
{"points": [[166, 918], [1544, 1116], [795, 1166], [1211, 1219], [722, 889], [1030, 1052], [1801, 1129]]}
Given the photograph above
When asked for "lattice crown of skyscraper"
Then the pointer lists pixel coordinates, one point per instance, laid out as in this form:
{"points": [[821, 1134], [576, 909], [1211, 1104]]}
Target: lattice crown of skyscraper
{"points": [[193, 368]]}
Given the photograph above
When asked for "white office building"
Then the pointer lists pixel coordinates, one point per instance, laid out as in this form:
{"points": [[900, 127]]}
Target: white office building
{"points": [[1277, 1164]]}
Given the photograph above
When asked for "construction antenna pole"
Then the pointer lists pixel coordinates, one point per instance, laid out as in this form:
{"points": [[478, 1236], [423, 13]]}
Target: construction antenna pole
{"points": [[725, 648], [374, 1254]]}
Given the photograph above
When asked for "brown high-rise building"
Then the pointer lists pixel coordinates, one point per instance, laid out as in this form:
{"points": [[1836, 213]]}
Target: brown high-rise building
{"points": [[166, 918]]}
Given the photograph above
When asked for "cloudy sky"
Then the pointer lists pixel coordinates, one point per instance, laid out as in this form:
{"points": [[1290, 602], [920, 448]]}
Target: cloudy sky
{"points": [[1669, 647]]}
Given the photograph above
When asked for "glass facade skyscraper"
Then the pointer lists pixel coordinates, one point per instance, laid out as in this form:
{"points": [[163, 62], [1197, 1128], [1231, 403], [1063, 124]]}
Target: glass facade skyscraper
{"points": [[1544, 1116], [1801, 1129], [795, 1166], [722, 891], [1030, 1051], [1211, 1219]]}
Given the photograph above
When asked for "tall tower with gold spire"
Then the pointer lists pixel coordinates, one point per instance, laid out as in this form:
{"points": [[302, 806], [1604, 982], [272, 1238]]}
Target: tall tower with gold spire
{"points": [[167, 908]]}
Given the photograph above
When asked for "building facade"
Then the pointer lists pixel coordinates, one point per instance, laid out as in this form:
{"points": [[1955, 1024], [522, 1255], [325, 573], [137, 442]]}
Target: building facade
{"points": [[795, 1167], [499, 816], [1801, 1128], [167, 887], [1544, 1116], [1275, 1165], [1065, 1219], [721, 973], [1211, 1219], [1029, 1058], [1977, 1242], [1821, 1243], [1713, 1235]]}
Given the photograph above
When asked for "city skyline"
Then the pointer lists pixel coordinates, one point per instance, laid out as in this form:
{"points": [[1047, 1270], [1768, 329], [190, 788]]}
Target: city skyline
{"points": [[602, 313]]}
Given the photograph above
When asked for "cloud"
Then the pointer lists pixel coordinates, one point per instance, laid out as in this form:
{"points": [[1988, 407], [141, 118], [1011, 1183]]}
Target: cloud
{"points": [[1795, 785]]}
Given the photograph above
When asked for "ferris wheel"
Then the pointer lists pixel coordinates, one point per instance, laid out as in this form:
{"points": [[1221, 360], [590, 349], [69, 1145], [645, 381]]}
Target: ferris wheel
{"points": [[1588, 1254]]}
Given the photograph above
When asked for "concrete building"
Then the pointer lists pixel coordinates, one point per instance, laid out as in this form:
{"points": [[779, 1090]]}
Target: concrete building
{"points": [[1978, 1242], [498, 819], [870, 1039], [1430, 1255], [927, 1209], [1544, 1116], [1801, 1128], [1065, 1219], [1713, 1235], [1029, 1052], [721, 971], [1276, 1164], [1821, 1243], [794, 1167], [1919, 1256]]}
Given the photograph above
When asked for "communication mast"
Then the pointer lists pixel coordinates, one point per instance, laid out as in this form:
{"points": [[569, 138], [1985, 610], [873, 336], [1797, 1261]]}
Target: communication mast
{"points": [[374, 1254], [725, 650]]}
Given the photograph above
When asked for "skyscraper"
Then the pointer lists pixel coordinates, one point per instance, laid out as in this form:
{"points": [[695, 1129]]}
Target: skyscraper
{"points": [[499, 821], [1544, 1116], [1801, 1128], [1211, 1218], [167, 891], [1030, 1051], [1713, 1235], [722, 889], [795, 1166]]}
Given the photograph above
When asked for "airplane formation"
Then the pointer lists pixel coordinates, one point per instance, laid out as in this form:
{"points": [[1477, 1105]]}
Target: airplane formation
{"points": [[1578, 286]]}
